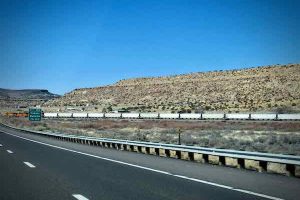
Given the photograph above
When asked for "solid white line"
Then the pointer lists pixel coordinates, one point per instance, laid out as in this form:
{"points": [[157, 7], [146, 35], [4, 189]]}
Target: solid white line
{"points": [[79, 197], [150, 169], [29, 164], [205, 182], [257, 194], [9, 151]]}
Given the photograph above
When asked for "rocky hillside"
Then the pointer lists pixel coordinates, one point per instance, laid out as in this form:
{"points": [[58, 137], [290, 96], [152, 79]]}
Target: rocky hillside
{"points": [[268, 88]]}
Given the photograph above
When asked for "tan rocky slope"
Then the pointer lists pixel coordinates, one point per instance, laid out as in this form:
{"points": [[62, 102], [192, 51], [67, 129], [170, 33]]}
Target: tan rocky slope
{"points": [[269, 88]]}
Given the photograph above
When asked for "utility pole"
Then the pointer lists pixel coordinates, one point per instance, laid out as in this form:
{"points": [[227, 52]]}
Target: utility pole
{"points": [[179, 136]]}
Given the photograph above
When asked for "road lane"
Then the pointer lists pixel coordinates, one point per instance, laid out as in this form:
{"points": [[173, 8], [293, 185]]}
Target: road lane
{"points": [[100, 179], [19, 182], [172, 161]]}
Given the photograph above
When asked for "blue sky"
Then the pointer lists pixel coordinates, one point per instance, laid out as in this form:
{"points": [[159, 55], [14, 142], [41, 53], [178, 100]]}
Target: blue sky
{"points": [[63, 45]]}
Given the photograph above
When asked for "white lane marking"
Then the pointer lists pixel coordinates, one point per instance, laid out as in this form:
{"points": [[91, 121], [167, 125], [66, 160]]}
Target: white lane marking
{"points": [[205, 182], [29, 164], [79, 197], [257, 194], [1, 145], [9, 151], [150, 169]]}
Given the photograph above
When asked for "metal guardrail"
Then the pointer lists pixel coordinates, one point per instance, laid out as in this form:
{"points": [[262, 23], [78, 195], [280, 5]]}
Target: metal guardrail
{"points": [[292, 162]]}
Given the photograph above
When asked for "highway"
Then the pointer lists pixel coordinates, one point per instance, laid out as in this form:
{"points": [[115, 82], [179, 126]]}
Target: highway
{"points": [[36, 167]]}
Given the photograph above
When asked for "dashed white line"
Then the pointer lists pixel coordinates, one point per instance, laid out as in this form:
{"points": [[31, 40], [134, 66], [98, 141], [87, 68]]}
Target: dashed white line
{"points": [[150, 169], [79, 197], [1, 145], [9, 151], [29, 164]]}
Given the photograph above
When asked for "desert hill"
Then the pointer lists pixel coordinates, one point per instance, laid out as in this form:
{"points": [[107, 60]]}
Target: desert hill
{"points": [[26, 94], [267, 88], [10, 100]]}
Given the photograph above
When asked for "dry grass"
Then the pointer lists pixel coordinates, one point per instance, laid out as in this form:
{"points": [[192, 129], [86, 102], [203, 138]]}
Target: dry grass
{"points": [[263, 136]]}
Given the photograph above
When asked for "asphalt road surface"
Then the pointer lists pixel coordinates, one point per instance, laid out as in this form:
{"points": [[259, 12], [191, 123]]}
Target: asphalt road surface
{"points": [[36, 167]]}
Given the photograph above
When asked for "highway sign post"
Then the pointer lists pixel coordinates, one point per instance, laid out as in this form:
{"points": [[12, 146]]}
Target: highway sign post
{"points": [[35, 114]]}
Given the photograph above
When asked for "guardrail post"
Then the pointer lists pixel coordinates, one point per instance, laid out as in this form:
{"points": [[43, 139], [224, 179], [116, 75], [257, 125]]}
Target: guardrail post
{"points": [[143, 149], [191, 156], [205, 158], [131, 147], [148, 150], [167, 151], [291, 169], [139, 149], [240, 163], [222, 160], [178, 154], [118, 146], [263, 166], [157, 151]]}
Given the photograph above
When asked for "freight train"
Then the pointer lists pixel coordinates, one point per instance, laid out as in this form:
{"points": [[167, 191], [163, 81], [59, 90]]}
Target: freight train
{"points": [[18, 114], [182, 116]]}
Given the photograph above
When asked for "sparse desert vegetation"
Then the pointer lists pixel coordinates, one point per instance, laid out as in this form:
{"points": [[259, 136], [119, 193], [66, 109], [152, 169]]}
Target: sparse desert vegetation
{"points": [[268, 88], [263, 136]]}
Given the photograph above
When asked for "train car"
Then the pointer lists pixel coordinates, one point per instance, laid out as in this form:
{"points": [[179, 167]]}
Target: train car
{"points": [[263, 116], [21, 114], [237, 116], [149, 115], [113, 115], [190, 116], [168, 116], [9, 114], [288, 116], [131, 115], [50, 115], [96, 115], [213, 116], [16, 114], [80, 115], [65, 115]]}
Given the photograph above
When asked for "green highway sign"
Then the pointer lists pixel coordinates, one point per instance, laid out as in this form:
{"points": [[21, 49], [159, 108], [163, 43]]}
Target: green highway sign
{"points": [[35, 114]]}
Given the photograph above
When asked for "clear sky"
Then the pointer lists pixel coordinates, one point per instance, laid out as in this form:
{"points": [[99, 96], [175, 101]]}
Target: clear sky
{"points": [[63, 45]]}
